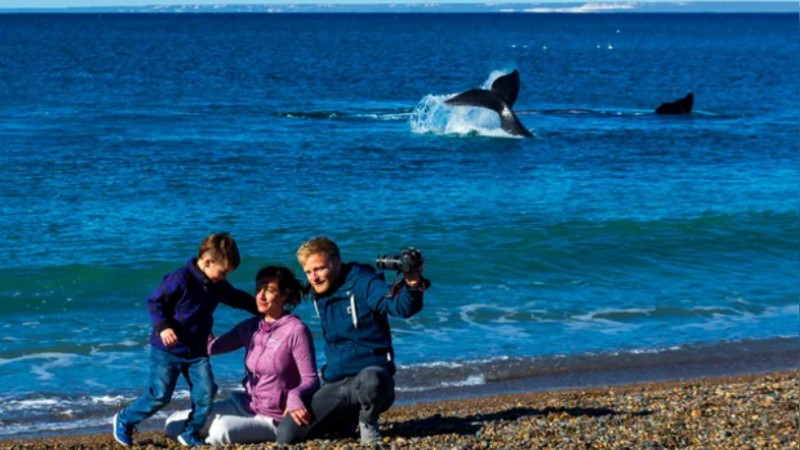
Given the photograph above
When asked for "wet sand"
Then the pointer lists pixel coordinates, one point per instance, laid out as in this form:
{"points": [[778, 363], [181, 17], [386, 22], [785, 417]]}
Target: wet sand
{"points": [[746, 412]]}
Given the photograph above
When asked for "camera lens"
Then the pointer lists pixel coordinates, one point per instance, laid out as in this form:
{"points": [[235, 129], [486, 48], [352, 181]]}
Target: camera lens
{"points": [[386, 262]]}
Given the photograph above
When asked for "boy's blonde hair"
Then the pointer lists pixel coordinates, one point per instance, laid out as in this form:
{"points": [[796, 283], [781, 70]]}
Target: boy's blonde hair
{"points": [[318, 246], [221, 248]]}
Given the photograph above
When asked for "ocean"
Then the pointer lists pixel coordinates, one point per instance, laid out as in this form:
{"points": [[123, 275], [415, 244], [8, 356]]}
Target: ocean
{"points": [[615, 245]]}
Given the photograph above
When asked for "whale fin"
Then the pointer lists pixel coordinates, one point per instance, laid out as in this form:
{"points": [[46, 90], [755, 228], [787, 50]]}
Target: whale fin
{"points": [[485, 99], [478, 97], [680, 106], [511, 124], [499, 99], [507, 87]]}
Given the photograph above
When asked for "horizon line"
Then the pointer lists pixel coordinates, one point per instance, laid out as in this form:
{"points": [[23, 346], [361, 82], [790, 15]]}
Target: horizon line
{"points": [[589, 7]]}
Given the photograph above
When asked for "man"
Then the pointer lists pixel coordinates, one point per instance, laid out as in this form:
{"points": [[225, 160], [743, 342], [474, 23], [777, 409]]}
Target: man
{"points": [[353, 303]]}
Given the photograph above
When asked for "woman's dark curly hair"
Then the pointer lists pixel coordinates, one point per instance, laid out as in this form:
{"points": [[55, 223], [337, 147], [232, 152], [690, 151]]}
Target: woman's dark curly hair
{"points": [[287, 283]]}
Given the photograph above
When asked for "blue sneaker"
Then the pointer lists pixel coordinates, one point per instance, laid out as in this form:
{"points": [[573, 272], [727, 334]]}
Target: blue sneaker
{"points": [[123, 432], [189, 439]]}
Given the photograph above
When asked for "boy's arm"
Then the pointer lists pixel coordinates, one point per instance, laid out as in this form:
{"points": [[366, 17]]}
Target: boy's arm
{"points": [[161, 303], [405, 304], [238, 299]]}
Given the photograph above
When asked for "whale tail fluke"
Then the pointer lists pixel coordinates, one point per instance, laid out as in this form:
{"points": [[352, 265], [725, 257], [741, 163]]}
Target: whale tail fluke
{"points": [[478, 97], [507, 87], [500, 98], [680, 106], [511, 125]]}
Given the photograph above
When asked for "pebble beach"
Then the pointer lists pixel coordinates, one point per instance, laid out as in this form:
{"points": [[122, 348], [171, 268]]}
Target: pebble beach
{"points": [[742, 412]]}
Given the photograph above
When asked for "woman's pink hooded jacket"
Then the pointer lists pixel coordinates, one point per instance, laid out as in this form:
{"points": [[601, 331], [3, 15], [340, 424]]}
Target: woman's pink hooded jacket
{"points": [[281, 370]]}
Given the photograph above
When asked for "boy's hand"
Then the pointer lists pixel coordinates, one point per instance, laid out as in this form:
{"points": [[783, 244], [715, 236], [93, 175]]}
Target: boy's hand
{"points": [[168, 337]]}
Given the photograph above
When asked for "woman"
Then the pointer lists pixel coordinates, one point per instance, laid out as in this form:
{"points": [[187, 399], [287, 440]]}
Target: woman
{"points": [[280, 368]]}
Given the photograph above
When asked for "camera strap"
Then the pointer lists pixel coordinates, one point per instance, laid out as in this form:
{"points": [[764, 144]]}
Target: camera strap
{"points": [[395, 288], [400, 283]]}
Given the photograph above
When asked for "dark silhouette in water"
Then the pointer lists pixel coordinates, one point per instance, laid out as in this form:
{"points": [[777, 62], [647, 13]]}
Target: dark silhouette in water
{"points": [[499, 98], [681, 106]]}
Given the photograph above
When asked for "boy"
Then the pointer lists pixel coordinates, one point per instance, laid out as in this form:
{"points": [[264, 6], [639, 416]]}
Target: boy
{"points": [[181, 310]]}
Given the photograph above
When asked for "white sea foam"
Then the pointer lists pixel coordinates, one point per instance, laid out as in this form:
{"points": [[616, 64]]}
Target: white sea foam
{"points": [[458, 364], [445, 364], [648, 351], [108, 399], [182, 394], [50, 356], [95, 385], [783, 310], [472, 313], [610, 313], [42, 374], [608, 321], [37, 403], [472, 380], [36, 427], [730, 320]]}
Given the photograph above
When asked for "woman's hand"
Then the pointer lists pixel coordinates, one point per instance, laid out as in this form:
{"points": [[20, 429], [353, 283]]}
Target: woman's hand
{"points": [[300, 416]]}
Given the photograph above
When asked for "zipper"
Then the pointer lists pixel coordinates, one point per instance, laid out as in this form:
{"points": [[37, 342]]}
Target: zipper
{"points": [[264, 340], [353, 312]]}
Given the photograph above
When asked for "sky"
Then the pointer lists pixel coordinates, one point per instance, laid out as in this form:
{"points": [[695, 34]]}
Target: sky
{"points": [[83, 3]]}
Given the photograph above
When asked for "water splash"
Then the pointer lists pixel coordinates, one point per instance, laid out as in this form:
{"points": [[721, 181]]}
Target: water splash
{"points": [[432, 115]]}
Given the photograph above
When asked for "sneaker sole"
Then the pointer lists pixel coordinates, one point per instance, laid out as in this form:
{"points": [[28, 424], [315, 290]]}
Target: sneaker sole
{"points": [[186, 444], [114, 430]]}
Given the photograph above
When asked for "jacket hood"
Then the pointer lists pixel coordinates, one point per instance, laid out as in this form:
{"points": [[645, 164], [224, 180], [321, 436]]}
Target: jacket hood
{"points": [[196, 273], [356, 271], [286, 319], [351, 272]]}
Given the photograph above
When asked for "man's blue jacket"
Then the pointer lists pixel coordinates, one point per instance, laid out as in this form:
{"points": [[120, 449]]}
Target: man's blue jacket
{"points": [[355, 322]]}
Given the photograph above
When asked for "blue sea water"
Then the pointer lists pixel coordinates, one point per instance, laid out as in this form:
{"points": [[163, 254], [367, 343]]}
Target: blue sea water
{"points": [[611, 235]]}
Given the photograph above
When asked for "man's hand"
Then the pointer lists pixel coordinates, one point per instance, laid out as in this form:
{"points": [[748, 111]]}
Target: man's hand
{"points": [[413, 279], [300, 416], [168, 337]]}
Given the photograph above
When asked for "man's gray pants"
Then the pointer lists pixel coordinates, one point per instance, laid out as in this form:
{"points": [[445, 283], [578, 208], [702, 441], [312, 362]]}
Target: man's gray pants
{"points": [[338, 407]]}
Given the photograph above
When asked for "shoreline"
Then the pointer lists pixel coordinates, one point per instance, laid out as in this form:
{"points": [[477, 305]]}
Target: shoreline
{"points": [[691, 361], [54, 415], [757, 410]]}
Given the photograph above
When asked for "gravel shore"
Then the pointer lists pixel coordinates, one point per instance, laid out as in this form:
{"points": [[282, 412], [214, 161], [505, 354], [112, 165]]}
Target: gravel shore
{"points": [[742, 412]]}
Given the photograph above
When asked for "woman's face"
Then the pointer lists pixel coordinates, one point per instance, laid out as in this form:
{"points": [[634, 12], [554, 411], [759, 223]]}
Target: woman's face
{"points": [[269, 298]]}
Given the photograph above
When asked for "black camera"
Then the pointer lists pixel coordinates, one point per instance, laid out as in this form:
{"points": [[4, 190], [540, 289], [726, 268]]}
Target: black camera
{"points": [[408, 261]]}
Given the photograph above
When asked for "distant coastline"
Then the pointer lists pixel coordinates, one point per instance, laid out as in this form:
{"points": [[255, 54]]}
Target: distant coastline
{"points": [[598, 7]]}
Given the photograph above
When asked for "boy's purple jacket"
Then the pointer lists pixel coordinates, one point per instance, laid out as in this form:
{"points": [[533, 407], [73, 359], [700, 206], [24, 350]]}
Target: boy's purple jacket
{"points": [[185, 301], [280, 369]]}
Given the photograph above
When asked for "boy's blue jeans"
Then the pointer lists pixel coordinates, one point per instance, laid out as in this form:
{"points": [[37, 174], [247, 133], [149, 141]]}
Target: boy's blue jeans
{"points": [[164, 371]]}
